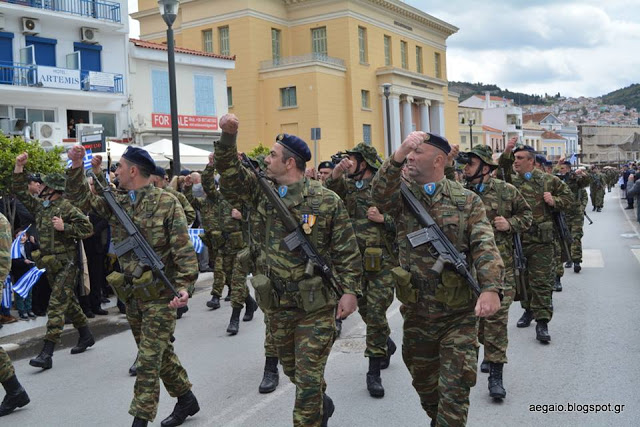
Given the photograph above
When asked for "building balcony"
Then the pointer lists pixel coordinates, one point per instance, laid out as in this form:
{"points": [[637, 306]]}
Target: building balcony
{"points": [[98, 9], [29, 75], [301, 61]]}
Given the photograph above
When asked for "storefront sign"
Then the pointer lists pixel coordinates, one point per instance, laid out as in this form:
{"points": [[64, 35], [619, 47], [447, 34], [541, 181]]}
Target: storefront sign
{"points": [[185, 122], [59, 78], [101, 82]]}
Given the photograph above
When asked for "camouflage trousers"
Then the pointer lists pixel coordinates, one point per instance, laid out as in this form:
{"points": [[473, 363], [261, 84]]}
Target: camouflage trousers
{"points": [[442, 357], [558, 265], [304, 341], [6, 367], [239, 288], [63, 302], [492, 331], [152, 324], [377, 296], [597, 197], [270, 349], [576, 225], [539, 279], [222, 270]]}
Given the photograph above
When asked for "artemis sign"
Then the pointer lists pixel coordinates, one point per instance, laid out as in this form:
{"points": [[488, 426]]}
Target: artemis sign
{"points": [[59, 78]]}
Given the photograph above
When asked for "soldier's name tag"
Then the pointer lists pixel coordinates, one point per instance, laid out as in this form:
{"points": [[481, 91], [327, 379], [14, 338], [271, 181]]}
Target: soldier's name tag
{"points": [[308, 221]]}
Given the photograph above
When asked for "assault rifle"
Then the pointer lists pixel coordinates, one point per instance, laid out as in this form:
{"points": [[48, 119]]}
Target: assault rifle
{"points": [[296, 238], [440, 246], [565, 235], [587, 216], [136, 241], [520, 267]]}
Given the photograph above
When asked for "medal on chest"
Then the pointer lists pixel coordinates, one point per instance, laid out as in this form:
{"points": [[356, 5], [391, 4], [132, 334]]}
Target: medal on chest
{"points": [[308, 221]]}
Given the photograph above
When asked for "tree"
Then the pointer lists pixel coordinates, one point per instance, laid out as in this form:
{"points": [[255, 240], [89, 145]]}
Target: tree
{"points": [[257, 150], [40, 161]]}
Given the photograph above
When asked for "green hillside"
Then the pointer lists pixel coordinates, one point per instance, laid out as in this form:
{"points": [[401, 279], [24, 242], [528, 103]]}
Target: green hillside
{"points": [[628, 96], [468, 89]]}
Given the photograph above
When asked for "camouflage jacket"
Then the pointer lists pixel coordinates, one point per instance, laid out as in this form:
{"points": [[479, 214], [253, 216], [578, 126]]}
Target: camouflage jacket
{"points": [[503, 199], [597, 181], [357, 199], [52, 242], [331, 227], [5, 250], [576, 184], [465, 224], [159, 217], [189, 212]]}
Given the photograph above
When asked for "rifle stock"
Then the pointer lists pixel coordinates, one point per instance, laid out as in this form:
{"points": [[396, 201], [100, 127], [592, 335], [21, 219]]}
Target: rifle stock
{"points": [[565, 235], [520, 268]]}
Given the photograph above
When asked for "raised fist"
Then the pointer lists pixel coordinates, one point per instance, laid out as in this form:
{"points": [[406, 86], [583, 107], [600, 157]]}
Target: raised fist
{"points": [[229, 124]]}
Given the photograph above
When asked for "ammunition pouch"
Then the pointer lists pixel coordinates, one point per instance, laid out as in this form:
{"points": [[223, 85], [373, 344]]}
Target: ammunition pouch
{"points": [[545, 232], [236, 241], [405, 292], [243, 258], [313, 294], [372, 259], [52, 263], [453, 290], [117, 281], [266, 295], [146, 287]]}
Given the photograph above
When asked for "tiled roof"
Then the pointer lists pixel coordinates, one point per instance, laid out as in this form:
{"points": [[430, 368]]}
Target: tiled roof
{"points": [[534, 117], [490, 129], [161, 46], [493, 98], [551, 135]]}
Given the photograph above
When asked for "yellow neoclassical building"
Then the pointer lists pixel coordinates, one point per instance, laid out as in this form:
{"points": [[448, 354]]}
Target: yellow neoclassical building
{"points": [[303, 64]]}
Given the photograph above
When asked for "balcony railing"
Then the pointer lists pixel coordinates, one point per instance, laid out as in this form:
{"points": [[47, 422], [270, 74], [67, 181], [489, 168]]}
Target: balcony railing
{"points": [[27, 75], [98, 9], [300, 60]]}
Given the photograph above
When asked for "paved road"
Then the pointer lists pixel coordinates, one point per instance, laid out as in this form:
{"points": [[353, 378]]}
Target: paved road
{"points": [[592, 359]]}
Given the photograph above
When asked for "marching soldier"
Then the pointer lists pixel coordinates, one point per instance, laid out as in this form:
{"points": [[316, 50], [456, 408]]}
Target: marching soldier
{"points": [[508, 213], [440, 339], [596, 188], [60, 226], [376, 235]]}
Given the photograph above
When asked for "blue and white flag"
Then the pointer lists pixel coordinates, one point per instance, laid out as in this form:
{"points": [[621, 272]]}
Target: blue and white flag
{"points": [[573, 158], [6, 293], [28, 279], [194, 233], [87, 160], [15, 246]]}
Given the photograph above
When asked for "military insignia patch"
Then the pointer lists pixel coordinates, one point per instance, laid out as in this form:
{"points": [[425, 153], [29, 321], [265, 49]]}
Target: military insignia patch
{"points": [[359, 184], [528, 175], [430, 188], [132, 196], [282, 190], [480, 187]]}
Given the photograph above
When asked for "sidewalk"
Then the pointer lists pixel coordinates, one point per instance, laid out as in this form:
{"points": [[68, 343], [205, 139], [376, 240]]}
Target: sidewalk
{"points": [[24, 338]]}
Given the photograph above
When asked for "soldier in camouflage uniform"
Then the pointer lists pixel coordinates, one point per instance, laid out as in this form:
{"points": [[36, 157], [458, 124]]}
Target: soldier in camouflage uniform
{"points": [[577, 182], [596, 188], [611, 177], [60, 226], [544, 193], [158, 179], [16, 396], [376, 235], [151, 307], [299, 304], [509, 214], [440, 341]]}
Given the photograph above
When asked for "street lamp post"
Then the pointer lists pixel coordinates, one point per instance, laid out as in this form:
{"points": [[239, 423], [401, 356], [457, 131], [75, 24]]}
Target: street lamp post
{"points": [[387, 91], [471, 123], [169, 12]]}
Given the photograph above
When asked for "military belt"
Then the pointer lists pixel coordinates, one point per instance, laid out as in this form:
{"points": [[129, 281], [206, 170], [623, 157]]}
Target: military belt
{"points": [[283, 286], [425, 285]]}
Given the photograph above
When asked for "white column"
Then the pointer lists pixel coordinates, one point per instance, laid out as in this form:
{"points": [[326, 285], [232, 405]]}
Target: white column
{"points": [[436, 114], [407, 121], [424, 115], [396, 140]]}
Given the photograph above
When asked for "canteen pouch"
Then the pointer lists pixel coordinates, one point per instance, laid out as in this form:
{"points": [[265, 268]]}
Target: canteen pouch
{"points": [[405, 292], [312, 294], [236, 241], [116, 280], [372, 259], [145, 287], [545, 232], [266, 295], [52, 263], [453, 291]]}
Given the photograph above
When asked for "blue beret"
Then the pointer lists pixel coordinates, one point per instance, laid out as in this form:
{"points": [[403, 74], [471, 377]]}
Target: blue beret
{"points": [[541, 159], [525, 148], [438, 142], [159, 171], [548, 163], [139, 157], [567, 162], [326, 165], [296, 145], [185, 172]]}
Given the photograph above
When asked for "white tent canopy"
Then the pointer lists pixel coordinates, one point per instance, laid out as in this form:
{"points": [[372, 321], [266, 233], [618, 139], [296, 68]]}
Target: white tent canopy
{"points": [[162, 151]]}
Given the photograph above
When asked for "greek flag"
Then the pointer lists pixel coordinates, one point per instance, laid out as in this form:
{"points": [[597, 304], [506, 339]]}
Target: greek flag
{"points": [[87, 160], [28, 279], [573, 158], [194, 233], [15, 246], [6, 293]]}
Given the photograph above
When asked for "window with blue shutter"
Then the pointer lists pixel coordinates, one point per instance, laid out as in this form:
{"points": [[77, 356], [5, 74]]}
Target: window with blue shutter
{"points": [[45, 50], [160, 91], [203, 93]]}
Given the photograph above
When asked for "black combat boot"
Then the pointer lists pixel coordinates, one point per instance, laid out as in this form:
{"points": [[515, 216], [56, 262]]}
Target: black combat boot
{"points": [[327, 409], [234, 323], [542, 331], [338, 328], [228, 297], [133, 370], [250, 307], [568, 264], [181, 311], [599, 209], [214, 302], [84, 342], [484, 366], [391, 349], [139, 422], [593, 210], [557, 285], [496, 389], [45, 359], [577, 267], [187, 406], [16, 396], [374, 382], [270, 379], [525, 320]]}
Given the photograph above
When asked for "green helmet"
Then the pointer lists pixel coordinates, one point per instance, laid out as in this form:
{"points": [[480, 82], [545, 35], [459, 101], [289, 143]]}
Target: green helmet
{"points": [[55, 181], [368, 153], [484, 153]]}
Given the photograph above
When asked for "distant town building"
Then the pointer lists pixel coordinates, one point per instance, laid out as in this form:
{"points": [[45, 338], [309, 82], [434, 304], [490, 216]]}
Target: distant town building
{"points": [[609, 144]]}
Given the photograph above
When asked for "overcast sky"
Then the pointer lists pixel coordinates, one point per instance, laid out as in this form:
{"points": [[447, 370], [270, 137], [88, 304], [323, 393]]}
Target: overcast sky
{"points": [[575, 47]]}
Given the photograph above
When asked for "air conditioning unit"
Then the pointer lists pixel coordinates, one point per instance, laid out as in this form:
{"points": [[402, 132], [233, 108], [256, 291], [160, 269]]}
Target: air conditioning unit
{"points": [[49, 134], [89, 35], [2, 22], [30, 26]]}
